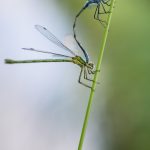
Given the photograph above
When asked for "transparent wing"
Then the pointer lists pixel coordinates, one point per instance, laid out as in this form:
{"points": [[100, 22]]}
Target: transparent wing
{"points": [[52, 38], [47, 52]]}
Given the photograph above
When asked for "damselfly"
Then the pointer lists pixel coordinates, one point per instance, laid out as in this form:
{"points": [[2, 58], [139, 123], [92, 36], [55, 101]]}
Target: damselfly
{"points": [[99, 4], [86, 66]]}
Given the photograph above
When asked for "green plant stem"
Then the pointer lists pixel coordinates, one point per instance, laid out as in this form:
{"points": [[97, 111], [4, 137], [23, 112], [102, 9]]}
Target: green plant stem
{"points": [[98, 67]]}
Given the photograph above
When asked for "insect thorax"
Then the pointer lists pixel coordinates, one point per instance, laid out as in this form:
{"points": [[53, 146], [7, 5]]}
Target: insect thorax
{"points": [[79, 61]]}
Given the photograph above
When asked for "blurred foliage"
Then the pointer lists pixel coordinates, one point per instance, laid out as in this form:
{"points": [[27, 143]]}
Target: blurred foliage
{"points": [[127, 57]]}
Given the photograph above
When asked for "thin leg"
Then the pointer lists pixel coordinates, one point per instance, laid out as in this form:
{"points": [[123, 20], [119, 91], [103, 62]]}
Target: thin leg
{"points": [[86, 77], [82, 82], [98, 8], [89, 71], [96, 16], [106, 2], [105, 12], [92, 72]]}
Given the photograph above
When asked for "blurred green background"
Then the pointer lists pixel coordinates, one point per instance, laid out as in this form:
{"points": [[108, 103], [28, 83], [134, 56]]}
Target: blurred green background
{"points": [[126, 63], [120, 117]]}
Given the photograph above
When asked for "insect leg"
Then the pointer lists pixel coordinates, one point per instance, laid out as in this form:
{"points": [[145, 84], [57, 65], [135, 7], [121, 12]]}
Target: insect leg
{"points": [[89, 71], [105, 12], [80, 79], [96, 16], [86, 76], [106, 2], [92, 72], [98, 10]]}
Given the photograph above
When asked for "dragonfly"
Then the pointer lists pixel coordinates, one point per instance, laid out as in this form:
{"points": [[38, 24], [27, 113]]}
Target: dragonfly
{"points": [[86, 67]]}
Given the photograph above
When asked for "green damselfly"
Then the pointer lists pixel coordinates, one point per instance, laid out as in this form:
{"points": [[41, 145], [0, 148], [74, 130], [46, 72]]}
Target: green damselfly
{"points": [[87, 67]]}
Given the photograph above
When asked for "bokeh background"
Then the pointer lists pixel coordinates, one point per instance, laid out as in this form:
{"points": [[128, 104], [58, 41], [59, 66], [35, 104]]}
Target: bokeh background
{"points": [[42, 106]]}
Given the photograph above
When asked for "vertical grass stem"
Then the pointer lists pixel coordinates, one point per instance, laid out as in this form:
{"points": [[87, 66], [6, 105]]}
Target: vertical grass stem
{"points": [[98, 67]]}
